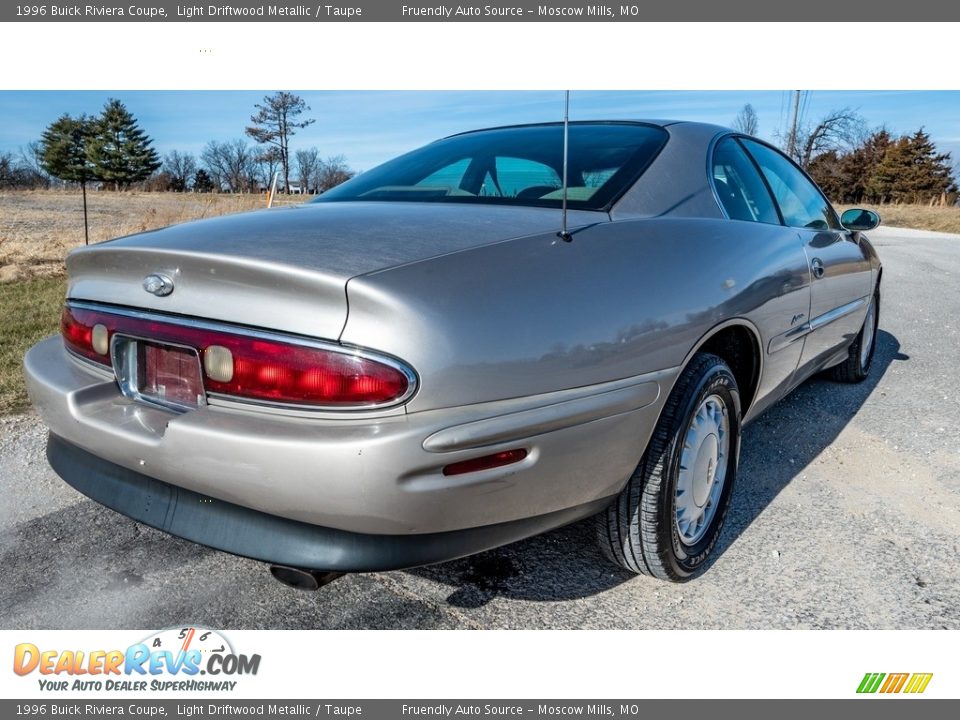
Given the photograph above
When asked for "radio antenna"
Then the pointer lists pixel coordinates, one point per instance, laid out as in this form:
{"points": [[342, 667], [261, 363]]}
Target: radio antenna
{"points": [[564, 234]]}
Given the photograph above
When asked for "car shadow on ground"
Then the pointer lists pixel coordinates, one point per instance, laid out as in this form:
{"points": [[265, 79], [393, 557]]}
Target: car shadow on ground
{"points": [[566, 564]]}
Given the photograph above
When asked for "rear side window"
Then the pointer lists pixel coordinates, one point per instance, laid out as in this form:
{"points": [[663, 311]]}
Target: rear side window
{"points": [[739, 185], [801, 203]]}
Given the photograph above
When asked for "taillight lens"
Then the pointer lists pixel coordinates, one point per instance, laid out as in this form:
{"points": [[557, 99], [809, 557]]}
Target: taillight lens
{"points": [[281, 372], [86, 334], [255, 366]]}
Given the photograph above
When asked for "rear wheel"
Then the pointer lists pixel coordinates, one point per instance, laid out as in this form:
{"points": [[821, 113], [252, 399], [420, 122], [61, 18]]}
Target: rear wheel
{"points": [[666, 521], [856, 367]]}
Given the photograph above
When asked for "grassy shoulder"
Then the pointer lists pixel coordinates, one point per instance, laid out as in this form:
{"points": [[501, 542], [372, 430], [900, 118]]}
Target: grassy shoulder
{"points": [[918, 217], [30, 310]]}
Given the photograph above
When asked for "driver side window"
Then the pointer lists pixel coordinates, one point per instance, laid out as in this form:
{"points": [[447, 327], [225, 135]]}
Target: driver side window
{"points": [[801, 203]]}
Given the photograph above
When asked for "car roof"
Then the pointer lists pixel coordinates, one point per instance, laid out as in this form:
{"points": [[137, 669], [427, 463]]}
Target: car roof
{"points": [[610, 121]]}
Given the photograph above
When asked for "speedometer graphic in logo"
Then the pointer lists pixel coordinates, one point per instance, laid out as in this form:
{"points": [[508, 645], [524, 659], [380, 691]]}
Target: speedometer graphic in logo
{"points": [[183, 639]]}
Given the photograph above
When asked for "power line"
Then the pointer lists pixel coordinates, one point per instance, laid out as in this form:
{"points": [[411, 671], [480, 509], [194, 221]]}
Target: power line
{"points": [[792, 137], [803, 107], [780, 123]]}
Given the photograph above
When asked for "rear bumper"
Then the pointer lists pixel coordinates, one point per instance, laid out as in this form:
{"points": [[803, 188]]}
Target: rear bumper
{"points": [[362, 473], [242, 531]]}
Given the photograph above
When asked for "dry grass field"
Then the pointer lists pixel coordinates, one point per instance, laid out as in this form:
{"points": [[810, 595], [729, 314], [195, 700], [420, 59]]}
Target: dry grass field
{"points": [[38, 228]]}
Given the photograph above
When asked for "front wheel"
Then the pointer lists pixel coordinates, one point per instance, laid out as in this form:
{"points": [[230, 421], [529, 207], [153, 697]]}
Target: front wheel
{"points": [[856, 367], [666, 521]]}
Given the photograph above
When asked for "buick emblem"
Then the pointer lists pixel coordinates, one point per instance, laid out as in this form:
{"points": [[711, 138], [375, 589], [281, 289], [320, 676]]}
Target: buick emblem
{"points": [[159, 285]]}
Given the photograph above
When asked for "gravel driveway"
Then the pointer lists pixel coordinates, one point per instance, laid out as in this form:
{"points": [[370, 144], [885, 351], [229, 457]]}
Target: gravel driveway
{"points": [[847, 515]]}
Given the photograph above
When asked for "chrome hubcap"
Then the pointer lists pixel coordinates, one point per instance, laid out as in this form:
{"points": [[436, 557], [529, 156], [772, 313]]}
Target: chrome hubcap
{"points": [[703, 469], [866, 342]]}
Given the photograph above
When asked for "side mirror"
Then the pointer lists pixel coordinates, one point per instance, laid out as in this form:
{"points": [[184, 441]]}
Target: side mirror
{"points": [[859, 220]]}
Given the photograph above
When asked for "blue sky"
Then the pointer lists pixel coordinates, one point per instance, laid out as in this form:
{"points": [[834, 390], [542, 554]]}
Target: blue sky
{"points": [[369, 127]]}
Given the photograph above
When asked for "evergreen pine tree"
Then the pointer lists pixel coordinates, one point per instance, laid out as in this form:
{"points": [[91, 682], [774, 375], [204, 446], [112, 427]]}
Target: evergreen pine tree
{"points": [[857, 166], [825, 169], [886, 181], [928, 172], [64, 154], [202, 182], [63, 149], [119, 150]]}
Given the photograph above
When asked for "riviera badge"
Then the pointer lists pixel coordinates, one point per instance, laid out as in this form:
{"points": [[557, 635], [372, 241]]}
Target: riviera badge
{"points": [[159, 285]]}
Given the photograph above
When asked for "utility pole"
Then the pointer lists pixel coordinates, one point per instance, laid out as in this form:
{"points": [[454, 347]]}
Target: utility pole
{"points": [[792, 137]]}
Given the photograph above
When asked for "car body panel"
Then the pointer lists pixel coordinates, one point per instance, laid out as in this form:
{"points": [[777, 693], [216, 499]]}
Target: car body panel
{"points": [[241, 530], [677, 181], [838, 298], [242, 268], [621, 300]]}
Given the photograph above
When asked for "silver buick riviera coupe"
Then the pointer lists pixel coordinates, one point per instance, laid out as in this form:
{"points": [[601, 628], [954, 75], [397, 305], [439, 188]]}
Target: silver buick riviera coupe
{"points": [[421, 364]]}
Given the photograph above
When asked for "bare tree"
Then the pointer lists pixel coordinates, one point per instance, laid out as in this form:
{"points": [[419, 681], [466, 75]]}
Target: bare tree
{"points": [[231, 165], [838, 130], [275, 122], [20, 172], [181, 167], [333, 171], [308, 162], [268, 162], [241, 166], [214, 162], [9, 172], [31, 161], [746, 120]]}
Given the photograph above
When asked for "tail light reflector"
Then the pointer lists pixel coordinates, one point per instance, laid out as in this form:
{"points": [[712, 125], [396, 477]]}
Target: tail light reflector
{"points": [[251, 365], [487, 462]]}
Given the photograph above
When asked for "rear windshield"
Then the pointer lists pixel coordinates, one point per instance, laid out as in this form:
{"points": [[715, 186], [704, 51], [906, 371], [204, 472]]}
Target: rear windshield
{"points": [[515, 166]]}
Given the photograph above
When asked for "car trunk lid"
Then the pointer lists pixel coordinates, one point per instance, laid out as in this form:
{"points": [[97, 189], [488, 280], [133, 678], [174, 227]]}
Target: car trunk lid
{"points": [[287, 269]]}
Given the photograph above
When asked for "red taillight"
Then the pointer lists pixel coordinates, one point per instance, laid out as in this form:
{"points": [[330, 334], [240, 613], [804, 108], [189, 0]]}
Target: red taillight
{"points": [[258, 366], [487, 462], [282, 372], [77, 329]]}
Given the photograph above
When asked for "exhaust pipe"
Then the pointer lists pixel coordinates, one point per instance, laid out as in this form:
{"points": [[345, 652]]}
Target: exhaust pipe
{"points": [[309, 580]]}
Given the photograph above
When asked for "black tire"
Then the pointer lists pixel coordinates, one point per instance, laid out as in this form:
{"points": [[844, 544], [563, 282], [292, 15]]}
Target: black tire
{"points": [[639, 531], [856, 367]]}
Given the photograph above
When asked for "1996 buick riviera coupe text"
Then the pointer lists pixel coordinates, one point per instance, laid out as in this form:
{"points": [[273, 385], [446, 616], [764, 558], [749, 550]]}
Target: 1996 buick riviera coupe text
{"points": [[417, 366]]}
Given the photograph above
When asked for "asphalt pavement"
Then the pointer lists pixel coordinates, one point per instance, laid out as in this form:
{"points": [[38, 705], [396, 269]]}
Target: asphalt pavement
{"points": [[846, 515]]}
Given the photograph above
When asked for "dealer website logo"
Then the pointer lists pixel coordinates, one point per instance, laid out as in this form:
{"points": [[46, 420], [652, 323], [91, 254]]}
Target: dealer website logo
{"points": [[912, 683], [171, 659]]}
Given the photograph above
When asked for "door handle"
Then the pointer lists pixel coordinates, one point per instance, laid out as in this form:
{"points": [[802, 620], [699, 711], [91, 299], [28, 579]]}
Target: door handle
{"points": [[816, 265]]}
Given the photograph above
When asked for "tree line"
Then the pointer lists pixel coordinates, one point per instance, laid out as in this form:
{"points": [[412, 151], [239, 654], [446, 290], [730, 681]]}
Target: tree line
{"points": [[850, 163], [112, 150], [237, 167], [853, 164], [886, 169]]}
